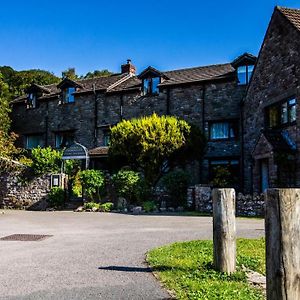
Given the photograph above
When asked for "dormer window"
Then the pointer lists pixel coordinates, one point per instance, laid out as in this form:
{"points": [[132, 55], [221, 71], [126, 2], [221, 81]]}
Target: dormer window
{"points": [[150, 85], [31, 100], [244, 74], [68, 95]]}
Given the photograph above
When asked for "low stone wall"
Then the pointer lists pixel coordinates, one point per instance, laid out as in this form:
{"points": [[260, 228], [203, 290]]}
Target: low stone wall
{"points": [[199, 196], [18, 193]]}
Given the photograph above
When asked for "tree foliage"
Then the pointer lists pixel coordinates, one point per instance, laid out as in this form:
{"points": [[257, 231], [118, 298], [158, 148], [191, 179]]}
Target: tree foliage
{"points": [[127, 184], [46, 160], [97, 73], [149, 142], [92, 182], [70, 73], [7, 139], [19, 81]]}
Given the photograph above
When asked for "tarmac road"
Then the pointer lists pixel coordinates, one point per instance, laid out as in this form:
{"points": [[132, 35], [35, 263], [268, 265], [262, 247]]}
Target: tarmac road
{"points": [[93, 255]]}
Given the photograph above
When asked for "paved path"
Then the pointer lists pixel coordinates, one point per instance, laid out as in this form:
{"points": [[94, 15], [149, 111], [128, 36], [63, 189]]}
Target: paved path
{"points": [[92, 255]]}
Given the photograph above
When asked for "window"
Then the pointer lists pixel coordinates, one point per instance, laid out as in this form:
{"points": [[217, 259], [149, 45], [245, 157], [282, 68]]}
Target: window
{"points": [[106, 138], [281, 114], [64, 139], [68, 95], [227, 170], [244, 74], [33, 141], [31, 100], [150, 85], [223, 130]]}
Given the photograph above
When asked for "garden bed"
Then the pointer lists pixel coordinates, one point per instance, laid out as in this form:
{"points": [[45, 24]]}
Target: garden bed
{"points": [[186, 270]]}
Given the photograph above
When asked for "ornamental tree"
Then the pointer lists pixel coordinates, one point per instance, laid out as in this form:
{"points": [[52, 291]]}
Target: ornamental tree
{"points": [[148, 143]]}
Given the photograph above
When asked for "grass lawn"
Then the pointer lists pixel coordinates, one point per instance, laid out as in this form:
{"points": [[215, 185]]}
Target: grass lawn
{"points": [[186, 269]]}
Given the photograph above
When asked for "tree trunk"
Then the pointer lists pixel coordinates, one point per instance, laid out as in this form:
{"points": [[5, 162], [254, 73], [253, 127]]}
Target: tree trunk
{"points": [[282, 223], [224, 230]]}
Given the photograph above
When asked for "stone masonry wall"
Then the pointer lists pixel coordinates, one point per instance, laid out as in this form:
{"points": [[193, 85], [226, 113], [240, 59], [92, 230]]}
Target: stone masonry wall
{"points": [[14, 193], [246, 205], [276, 78]]}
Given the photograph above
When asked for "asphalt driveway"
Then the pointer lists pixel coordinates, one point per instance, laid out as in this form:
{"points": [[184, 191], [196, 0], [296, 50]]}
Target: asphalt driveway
{"points": [[92, 255]]}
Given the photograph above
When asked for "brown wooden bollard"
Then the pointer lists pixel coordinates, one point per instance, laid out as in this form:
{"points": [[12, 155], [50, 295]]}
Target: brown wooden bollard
{"points": [[224, 230], [282, 224]]}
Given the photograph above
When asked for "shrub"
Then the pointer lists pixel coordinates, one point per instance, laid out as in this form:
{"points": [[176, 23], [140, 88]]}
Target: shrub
{"points": [[149, 206], [91, 205], [176, 184], [56, 197], [76, 186], [106, 207], [92, 182], [127, 184], [148, 142], [46, 160], [222, 177]]}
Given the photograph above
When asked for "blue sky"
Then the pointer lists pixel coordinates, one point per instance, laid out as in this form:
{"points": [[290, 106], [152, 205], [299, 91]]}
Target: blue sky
{"points": [[88, 35]]}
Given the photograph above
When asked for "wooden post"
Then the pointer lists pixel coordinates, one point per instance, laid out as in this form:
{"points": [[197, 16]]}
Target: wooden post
{"points": [[224, 230], [282, 224]]}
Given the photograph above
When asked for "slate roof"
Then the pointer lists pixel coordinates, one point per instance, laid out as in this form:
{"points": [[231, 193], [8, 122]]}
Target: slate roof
{"points": [[99, 151], [190, 75], [292, 14], [277, 141], [124, 82], [87, 85]]}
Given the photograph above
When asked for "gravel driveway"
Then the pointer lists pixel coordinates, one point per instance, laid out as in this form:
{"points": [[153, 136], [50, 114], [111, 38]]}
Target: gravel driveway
{"points": [[92, 255]]}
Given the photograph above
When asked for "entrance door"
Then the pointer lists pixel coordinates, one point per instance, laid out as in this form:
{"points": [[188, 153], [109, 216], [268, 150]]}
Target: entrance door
{"points": [[264, 174]]}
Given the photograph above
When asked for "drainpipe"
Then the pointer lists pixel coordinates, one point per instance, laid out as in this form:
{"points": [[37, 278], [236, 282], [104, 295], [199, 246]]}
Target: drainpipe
{"points": [[168, 101], [95, 115], [203, 128], [242, 146], [47, 124], [121, 107], [203, 107]]}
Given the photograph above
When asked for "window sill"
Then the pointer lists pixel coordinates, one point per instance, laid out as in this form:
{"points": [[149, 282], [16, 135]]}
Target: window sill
{"points": [[224, 140]]}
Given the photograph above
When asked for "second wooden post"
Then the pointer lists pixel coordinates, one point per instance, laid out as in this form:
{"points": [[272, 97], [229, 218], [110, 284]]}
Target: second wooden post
{"points": [[224, 230]]}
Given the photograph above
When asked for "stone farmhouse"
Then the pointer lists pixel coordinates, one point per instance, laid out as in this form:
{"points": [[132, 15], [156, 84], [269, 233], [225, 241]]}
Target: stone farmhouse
{"points": [[271, 131], [249, 121]]}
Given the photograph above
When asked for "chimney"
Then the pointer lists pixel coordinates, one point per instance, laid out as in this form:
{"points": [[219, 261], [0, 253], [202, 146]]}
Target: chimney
{"points": [[128, 68]]}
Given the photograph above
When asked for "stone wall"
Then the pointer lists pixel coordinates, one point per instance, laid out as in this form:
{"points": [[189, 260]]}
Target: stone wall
{"points": [[90, 116], [19, 194], [199, 196], [275, 79]]}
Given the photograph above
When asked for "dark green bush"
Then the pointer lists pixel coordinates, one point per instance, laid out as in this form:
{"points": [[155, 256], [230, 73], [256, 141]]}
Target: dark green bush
{"points": [[127, 185], [176, 184], [149, 206], [56, 197], [222, 178]]}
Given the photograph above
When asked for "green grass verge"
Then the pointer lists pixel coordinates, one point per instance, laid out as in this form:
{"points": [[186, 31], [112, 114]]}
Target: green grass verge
{"points": [[186, 269]]}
